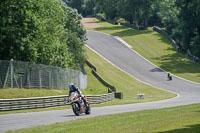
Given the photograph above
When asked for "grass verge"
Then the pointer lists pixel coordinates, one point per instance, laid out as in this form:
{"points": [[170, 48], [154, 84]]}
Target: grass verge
{"points": [[156, 48], [183, 119]]}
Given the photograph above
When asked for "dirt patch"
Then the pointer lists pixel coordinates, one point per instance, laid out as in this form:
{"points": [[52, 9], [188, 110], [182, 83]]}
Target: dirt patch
{"points": [[89, 23]]}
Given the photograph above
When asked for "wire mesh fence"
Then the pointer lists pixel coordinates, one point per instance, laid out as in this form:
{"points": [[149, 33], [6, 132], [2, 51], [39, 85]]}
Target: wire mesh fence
{"points": [[19, 74]]}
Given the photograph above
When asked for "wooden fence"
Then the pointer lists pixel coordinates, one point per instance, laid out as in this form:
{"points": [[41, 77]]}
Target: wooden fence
{"points": [[45, 102]]}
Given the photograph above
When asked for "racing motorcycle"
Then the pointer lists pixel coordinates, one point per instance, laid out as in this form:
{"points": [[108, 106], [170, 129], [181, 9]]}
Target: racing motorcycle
{"points": [[78, 105]]}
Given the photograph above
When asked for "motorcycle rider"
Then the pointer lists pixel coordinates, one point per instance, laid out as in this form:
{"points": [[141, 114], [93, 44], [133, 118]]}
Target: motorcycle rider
{"points": [[73, 88], [169, 76]]}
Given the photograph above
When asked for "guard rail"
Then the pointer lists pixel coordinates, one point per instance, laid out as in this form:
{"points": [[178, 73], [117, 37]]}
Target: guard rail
{"points": [[45, 102]]}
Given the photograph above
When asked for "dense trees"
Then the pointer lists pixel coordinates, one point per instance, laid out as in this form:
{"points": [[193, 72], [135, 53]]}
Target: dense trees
{"points": [[50, 32], [75, 4], [179, 17], [188, 28], [41, 32]]}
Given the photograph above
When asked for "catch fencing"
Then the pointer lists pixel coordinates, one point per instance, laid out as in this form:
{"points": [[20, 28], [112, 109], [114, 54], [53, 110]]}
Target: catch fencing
{"points": [[45, 102], [19, 74]]}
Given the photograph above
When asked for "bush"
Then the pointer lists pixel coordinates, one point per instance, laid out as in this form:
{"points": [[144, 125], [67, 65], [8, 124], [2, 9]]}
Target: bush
{"points": [[101, 16], [120, 20]]}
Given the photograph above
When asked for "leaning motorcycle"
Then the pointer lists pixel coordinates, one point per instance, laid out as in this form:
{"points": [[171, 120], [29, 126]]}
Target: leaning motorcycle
{"points": [[78, 105]]}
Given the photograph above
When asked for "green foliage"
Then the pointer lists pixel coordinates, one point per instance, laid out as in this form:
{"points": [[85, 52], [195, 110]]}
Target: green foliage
{"points": [[119, 20], [77, 4], [188, 29], [109, 8], [41, 32], [168, 13], [101, 15], [88, 7], [73, 23], [133, 11], [181, 19]]}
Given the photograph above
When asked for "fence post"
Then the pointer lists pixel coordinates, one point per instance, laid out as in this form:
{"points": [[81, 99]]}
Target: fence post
{"points": [[50, 86], [6, 78], [28, 78], [40, 80], [11, 73]]}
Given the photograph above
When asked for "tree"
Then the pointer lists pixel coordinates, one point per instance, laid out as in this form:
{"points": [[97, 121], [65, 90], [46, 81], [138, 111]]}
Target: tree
{"points": [[37, 32], [88, 7], [109, 8], [72, 22], [168, 13], [77, 4], [188, 29]]}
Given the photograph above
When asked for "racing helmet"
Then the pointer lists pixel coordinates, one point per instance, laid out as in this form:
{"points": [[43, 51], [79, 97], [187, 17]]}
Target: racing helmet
{"points": [[71, 86]]}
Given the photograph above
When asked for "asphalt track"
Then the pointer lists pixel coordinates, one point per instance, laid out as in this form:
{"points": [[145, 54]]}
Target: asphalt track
{"points": [[128, 61]]}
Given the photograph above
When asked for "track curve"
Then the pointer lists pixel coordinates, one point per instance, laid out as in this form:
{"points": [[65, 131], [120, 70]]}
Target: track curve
{"points": [[130, 62]]}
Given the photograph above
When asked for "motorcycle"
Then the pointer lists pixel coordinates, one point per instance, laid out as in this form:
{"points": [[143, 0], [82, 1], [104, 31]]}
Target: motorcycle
{"points": [[78, 105], [169, 76]]}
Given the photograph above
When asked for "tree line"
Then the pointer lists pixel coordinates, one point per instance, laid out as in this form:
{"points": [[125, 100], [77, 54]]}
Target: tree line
{"points": [[41, 31], [180, 18]]}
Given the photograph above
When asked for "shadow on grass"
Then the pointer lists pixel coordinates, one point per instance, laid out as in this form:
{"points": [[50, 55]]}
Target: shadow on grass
{"points": [[187, 129], [112, 28], [124, 31], [90, 22], [162, 38], [177, 63]]}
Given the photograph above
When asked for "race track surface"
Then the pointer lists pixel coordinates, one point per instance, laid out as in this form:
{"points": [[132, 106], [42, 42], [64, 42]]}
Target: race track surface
{"points": [[130, 62]]}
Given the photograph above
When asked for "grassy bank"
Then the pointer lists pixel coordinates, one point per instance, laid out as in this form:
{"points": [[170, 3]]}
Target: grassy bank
{"points": [[155, 48], [183, 119]]}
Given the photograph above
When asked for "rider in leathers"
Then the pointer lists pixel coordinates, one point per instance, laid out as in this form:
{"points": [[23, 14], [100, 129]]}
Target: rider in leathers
{"points": [[72, 88]]}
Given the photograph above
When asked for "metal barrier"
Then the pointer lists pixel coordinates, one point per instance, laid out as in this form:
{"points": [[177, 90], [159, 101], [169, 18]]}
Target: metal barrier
{"points": [[178, 47], [45, 102], [94, 72], [19, 74]]}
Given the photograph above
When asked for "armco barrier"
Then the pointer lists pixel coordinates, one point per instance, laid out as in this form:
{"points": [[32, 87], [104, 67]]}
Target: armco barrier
{"points": [[178, 47], [45, 102], [192, 57], [94, 72], [91, 66], [111, 88]]}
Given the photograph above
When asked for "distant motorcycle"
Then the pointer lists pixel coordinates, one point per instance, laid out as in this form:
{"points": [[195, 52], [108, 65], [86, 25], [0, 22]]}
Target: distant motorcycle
{"points": [[78, 105], [169, 76]]}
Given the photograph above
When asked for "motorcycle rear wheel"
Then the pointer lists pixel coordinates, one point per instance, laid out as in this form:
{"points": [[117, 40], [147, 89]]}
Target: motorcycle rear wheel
{"points": [[88, 110]]}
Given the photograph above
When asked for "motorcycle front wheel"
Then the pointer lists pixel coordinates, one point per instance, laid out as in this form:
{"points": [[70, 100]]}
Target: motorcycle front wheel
{"points": [[76, 109]]}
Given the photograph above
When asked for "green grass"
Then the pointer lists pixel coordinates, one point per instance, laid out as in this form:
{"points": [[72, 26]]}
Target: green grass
{"points": [[155, 48], [10, 93], [183, 119]]}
